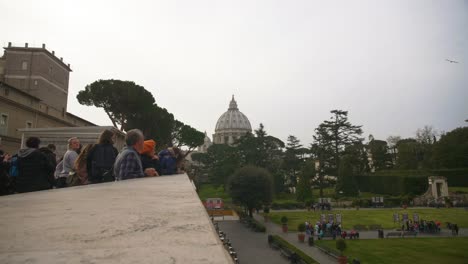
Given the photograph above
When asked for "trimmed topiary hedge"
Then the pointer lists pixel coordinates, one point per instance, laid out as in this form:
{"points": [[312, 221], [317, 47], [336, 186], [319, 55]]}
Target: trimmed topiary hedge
{"points": [[392, 185], [455, 177]]}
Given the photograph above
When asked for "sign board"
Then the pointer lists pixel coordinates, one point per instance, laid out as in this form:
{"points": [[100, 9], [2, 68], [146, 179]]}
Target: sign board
{"points": [[405, 217], [396, 218], [331, 218], [338, 218], [322, 218], [415, 217]]}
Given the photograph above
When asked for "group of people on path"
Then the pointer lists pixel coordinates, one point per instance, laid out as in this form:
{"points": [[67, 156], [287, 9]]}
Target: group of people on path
{"points": [[330, 229], [35, 169]]}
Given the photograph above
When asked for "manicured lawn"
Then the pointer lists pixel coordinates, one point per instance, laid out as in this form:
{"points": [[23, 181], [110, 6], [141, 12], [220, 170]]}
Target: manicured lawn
{"points": [[383, 217], [409, 250], [213, 191]]}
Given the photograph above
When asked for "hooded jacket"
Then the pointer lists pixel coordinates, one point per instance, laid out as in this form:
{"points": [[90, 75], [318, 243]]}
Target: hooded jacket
{"points": [[35, 171], [167, 163]]}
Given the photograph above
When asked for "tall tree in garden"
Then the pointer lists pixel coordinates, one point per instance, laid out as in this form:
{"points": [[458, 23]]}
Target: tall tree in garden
{"points": [[347, 184], [451, 151], [426, 137], [304, 184], [338, 133], [381, 158], [261, 149], [186, 136], [155, 123], [132, 106], [251, 187], [409, 154], [293, 159], [220, 161], [392, 146], [330, 141], [121, 100]]}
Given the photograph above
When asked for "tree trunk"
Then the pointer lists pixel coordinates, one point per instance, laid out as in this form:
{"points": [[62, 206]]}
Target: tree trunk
{"points": [[113, 121]]}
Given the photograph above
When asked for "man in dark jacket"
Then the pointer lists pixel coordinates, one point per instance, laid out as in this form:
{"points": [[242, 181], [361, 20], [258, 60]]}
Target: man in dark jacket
{"points": [[34, 168]]}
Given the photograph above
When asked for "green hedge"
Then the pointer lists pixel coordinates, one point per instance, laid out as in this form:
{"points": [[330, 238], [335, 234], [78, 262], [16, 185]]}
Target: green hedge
{"points": [[400, 182], [455, 177], [285, 244], [392, 185], [287, 205]]}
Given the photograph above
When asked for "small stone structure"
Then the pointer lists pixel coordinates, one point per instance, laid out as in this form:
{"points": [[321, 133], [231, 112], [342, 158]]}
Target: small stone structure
{"points": [[436, 192]]}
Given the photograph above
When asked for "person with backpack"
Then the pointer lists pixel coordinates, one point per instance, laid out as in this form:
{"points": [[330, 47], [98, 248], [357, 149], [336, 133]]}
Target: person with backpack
{"points": [[49, 153], [79, 176], [101, 158], [4, 177], [34, 168], [168, 161], [68, 161]]}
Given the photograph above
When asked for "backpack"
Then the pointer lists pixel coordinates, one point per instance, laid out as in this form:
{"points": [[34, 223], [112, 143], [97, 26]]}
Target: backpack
{"points": [[73, 179], [14, 166], [102, 163]]}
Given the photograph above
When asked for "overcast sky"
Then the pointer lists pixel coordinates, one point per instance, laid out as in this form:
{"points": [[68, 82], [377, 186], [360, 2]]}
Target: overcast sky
{"points": [[287, 62]]}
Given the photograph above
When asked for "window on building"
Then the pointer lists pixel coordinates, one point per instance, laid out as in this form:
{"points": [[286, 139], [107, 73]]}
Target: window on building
{"points": [[24, 65], [7, 91], [3, 124], [29, 124], [35, 82]]}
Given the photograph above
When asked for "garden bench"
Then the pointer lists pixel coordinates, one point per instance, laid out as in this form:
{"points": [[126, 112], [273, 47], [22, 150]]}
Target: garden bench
{"points": [[397, 234], [410, 233]]}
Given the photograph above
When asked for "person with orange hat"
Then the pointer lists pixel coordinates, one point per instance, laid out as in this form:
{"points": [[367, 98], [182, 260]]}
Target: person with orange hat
{"points": [[148, 157]]}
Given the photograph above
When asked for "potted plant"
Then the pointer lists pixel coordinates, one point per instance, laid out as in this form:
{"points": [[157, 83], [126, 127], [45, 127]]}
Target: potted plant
{"points": [[301, 228], [266, 211], [341, 246], [284, 221]]}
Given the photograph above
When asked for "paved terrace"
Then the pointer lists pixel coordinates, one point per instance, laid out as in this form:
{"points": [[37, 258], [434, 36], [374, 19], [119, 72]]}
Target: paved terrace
{"points": [[149, 220]]}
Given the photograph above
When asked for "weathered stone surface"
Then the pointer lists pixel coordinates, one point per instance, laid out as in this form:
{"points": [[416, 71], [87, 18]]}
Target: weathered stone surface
{"points": [[150, 220]]}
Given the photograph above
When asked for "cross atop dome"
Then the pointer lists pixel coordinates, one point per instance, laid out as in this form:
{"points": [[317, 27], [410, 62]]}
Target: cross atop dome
{"points": [[233, 104]]}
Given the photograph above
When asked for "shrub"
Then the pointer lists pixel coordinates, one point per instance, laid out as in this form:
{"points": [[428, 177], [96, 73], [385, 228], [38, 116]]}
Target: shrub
{"points": [[284, 220], [340, 245], [301, 227]]}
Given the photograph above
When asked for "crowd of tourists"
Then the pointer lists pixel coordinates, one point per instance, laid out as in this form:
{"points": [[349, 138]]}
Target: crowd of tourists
{"points": [[422, 226], [35, 169], [328, 229]]}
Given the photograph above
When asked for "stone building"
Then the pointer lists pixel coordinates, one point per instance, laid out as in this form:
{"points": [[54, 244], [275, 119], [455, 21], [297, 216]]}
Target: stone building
{"points": [[232, 125], [33, 93]]}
